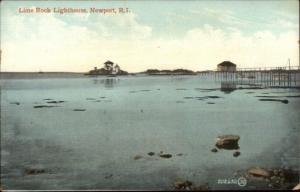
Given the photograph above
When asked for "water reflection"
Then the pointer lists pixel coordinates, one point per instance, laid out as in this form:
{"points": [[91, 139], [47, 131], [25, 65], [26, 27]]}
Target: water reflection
{"points": [[178, 78], [108, 83], [228, 87]]}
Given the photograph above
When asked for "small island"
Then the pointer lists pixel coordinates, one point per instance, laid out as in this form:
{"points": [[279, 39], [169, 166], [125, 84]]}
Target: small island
{"points": [[110, 68], [169, 72]]}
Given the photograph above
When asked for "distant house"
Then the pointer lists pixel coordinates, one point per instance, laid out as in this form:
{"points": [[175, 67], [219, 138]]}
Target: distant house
{"points": [[109, 68], [226, 66], [116, 69]]}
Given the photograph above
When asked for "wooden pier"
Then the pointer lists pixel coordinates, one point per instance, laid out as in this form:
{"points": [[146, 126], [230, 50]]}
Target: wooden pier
{"points": [[281, 77]]}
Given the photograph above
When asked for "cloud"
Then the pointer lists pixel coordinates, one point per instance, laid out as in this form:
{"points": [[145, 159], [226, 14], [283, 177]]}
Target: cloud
{"points": [[48, 43], [284, 23], [263, 49], [223, 16], [119, 26]]}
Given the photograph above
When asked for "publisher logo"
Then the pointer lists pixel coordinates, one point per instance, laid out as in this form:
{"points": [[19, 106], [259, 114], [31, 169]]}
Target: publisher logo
{"points": [[241, 181]]}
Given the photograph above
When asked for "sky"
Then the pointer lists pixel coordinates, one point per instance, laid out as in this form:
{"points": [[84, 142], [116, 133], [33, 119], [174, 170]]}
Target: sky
{"points": [[195, 35]]}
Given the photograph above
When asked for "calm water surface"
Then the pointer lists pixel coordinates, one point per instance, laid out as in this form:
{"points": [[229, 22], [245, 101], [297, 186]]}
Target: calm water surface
{"points": [[126, 117]]}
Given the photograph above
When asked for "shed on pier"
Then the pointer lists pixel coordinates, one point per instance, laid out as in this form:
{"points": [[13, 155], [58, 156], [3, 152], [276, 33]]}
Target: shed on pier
{"points": [[226, 66]]}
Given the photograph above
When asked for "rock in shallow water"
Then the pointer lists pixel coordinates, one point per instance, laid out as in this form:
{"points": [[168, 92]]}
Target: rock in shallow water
{"points": [[44, 106], [55, 102], [137, 157], [259, 172], [297, 187], [79, 109], [165, 156], [187, 185], [228, 142], [34, 171], [15, 103], [236, 153], [210, 103], [180, 184], [279, 100]]}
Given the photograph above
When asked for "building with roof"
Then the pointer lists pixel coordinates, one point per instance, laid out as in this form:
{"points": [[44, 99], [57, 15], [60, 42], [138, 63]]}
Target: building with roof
{"points": [[109, 68], [226, 66]]}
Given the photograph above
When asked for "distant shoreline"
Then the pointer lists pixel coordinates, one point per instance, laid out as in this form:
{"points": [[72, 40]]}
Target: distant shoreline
{"points": [[38, 75], [41, 75]]}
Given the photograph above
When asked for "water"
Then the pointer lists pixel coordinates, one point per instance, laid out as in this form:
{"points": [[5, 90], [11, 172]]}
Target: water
{"points": [[129, 116]]}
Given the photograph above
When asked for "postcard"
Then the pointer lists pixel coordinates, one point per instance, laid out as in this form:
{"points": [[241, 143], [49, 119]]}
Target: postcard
{"points": [[150, 95]]}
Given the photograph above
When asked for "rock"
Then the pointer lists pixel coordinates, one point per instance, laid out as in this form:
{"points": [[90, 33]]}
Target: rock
{"points": [[275, 172], [213, 97], [270, 185], [214, 150], [281, 174], [55, 102], [259, 172], [34, 171], [225, 138], [281, 181], [228, 142], [276, 185], [291, 176], [144, 90], [43, 106], [79, 109], [297, 187], [236, 153], [179, 154], [180, 184], [137, 157], [273, 178], [165, 156], [210, 103], [151, 153], [188, 97], [182, 89], [204, 187], [15, 103], [279, 100], [108, 176]]}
